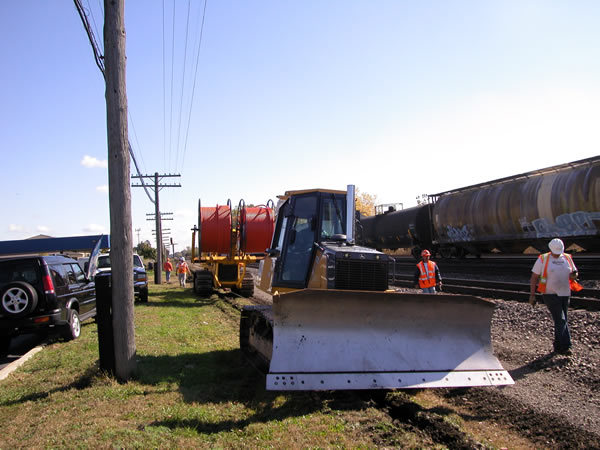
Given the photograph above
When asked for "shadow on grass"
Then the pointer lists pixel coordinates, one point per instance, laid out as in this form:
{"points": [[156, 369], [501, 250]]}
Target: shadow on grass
{"points": [[178, 298], [81, 383], [217, 377], [227, 377]]}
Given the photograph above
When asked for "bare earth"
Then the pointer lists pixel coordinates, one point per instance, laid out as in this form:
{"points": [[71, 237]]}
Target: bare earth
{"points": [[555, 400]]}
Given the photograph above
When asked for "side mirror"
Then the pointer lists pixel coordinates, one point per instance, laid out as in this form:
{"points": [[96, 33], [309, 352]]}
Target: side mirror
{"points": [[273, 252]]}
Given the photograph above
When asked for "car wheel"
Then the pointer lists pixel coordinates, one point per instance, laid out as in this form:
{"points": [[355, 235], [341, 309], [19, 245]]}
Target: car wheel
{"points": [[144, 295], [4, 345], [73, 327], [18, 299]]}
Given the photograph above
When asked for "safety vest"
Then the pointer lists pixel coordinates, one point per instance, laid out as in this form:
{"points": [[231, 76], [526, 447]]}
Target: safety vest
{"points": [[427, 276], [574, 285], [182, 268]]}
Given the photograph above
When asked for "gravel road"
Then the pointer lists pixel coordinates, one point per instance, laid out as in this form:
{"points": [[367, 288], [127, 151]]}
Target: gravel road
{"points": [[560, 394]]}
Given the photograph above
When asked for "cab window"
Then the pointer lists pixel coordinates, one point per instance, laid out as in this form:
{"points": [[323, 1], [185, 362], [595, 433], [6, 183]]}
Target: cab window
{"points": [[300, 237], [333, 216]]}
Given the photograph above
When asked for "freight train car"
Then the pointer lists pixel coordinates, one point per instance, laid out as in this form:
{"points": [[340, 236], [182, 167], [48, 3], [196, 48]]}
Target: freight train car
{"points": [[506, 215], [406, 228]]}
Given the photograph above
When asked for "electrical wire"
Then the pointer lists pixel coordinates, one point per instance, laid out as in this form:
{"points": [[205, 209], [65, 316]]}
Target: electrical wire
{"points": [[194, 84], [187, 26], [164, 89], [91, 14], [95, 47], [171, 99], [136, 140], [99, 58]]}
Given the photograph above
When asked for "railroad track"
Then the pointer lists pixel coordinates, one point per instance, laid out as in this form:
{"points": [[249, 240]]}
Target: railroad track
{"points": [[517, 266], [587, 298], [503, 277]]}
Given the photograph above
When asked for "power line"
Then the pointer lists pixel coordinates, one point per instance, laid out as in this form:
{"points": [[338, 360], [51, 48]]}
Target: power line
{"points": [[164, 90], [171, 98], [187, 26], [194, 84], [95, 47], [100, 63]]}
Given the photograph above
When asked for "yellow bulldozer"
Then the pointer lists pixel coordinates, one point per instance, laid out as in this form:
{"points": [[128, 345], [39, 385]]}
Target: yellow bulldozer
{"points": [[335, 324]]}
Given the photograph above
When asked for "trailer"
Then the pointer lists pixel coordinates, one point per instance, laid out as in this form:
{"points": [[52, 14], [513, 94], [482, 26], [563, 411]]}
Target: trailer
{"points": [[228, 240]]}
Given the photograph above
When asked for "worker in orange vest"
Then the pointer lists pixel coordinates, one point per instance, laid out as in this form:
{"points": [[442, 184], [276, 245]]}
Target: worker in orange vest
{"points": [[182, 271], [168, 269], [427, 275], [554, 274]]}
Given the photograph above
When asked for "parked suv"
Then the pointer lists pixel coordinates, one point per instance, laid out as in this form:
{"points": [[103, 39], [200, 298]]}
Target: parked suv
{"points": [[43, 293], [140, 278]]}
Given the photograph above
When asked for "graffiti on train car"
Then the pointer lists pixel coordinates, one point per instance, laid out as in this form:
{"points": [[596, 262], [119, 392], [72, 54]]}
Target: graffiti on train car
{"points": [[459, 234], [569, 224], [580, 223]]}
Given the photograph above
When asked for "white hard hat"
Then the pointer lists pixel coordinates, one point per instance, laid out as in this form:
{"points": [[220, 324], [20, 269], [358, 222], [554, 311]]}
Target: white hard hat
{"points": [[556, 246], [181, 259]]}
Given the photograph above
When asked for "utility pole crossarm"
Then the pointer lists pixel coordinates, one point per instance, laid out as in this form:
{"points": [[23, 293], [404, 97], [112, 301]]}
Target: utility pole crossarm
{"points": [[158, 217]]}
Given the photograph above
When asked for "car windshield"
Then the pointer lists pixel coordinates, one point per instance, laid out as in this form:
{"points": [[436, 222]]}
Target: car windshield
{"points": [[104, 262]]}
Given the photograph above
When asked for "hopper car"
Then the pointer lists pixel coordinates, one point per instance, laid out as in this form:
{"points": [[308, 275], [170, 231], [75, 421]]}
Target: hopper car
{"points": [[507, 215]]}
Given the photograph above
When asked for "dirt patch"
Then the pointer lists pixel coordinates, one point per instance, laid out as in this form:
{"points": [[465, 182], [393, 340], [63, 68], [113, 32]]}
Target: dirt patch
{"points": [[555, 401]]}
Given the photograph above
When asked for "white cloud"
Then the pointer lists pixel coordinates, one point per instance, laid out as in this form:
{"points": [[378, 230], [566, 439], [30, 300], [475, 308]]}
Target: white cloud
{"points": [[94, 228], [42, 228], [103, 188], [91, 162], [12, 227]]}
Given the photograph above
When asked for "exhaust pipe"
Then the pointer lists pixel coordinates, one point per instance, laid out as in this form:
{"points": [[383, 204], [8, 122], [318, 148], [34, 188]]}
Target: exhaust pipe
{"points": [[350, 213]]}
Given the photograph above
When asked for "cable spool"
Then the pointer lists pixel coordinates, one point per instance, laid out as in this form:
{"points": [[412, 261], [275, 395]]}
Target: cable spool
{"points": [[215, 229], [256, 225]]}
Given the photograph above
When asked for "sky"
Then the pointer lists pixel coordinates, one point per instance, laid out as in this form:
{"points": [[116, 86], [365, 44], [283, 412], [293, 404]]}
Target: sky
{"points": [[398, 98]]}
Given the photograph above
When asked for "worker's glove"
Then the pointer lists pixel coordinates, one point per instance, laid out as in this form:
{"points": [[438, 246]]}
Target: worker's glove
{"points": [[439, 286], [532, 300]]}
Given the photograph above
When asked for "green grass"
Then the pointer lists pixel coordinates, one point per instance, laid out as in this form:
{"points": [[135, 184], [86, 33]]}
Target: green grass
{"points": [[192, 388]]}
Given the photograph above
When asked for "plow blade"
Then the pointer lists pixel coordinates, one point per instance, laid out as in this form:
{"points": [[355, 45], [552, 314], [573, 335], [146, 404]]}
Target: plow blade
{"points": [[328, 340]]}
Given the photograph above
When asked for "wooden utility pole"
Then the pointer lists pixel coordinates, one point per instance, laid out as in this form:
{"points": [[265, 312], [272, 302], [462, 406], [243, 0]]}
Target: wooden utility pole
{"points": [[119, 193], [158, 218]]}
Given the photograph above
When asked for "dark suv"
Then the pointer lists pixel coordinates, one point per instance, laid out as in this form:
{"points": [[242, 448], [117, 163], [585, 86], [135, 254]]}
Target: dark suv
{"points": [[43, 293]]}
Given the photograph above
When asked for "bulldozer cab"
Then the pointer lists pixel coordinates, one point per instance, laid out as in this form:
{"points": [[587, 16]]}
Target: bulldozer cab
{"points": [[305, 219]]}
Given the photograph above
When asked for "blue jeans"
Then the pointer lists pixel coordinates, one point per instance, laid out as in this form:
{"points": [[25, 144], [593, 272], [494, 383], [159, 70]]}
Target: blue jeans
{"points": [[168, 275], [429, 290], [559, 307]]}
